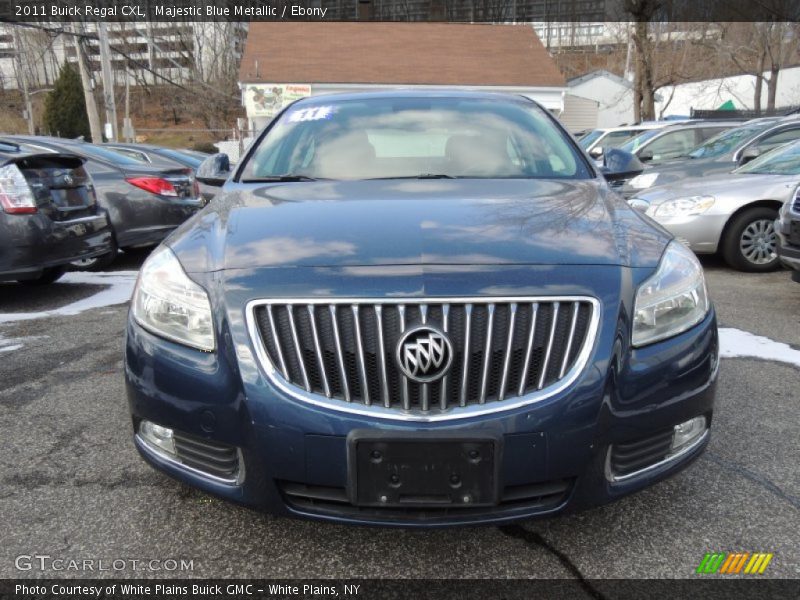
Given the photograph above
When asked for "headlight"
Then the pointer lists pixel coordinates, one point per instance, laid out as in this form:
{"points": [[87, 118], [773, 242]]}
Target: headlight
{"points": [[168, 303], [643, 181], [683, 207], [673, 299]]}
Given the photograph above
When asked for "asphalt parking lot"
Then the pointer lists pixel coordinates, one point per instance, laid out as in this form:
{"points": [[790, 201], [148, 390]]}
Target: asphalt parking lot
{"points": [[72, 485]]}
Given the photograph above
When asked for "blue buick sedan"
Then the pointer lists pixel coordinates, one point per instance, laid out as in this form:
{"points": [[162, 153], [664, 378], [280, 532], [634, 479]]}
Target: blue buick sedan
{"points": [[420, 309]]}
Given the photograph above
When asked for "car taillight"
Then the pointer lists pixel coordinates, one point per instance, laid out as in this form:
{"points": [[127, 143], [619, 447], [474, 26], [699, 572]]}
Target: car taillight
{"points": [[16, 196], [154, 185]]}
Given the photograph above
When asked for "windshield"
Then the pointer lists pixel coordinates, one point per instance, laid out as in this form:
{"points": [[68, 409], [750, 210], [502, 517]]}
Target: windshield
{"points": [[727, 141], [784, 160], [590, 138], [633, 144], [406, 137]]}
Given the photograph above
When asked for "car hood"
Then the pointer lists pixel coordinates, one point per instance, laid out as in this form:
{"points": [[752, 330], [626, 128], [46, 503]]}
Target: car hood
{"points": [[730, 185], [677, 169], [418, 222]]}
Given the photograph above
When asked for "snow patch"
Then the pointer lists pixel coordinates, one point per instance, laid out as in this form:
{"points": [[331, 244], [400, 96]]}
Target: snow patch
{"points": [[735, 343], [11, 344], [119, 287]]}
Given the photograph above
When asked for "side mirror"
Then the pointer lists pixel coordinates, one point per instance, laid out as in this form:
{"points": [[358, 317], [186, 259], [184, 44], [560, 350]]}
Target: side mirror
{"points": [[749, 154], [596, 152], [214, 170], [618, 164], [646, 155]]}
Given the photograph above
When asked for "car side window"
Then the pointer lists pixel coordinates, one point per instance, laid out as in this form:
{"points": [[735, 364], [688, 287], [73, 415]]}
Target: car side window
{"points": [[706, 133], [616, 138], [773, 140], [672, 144]]}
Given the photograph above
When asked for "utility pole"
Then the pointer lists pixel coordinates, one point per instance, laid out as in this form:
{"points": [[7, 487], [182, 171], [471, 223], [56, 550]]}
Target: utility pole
{"points": [[88, 94], [108, 80], [22, 80]]}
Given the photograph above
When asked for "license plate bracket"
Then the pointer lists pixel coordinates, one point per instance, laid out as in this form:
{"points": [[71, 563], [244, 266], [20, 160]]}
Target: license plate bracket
{"points": [[390, 469]]}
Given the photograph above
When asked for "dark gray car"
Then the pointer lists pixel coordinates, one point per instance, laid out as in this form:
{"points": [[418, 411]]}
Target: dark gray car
{"points": [[160, 156], [49, 216], [144, 203], [720, 154]]}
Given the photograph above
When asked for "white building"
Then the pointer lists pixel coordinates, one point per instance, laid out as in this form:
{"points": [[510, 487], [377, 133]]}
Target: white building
{"points": [[612, 93], [740, 90]]}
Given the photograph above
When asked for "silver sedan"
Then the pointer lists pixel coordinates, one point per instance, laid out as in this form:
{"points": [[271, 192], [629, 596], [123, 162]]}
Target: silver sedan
{"points": [[732, 214]]}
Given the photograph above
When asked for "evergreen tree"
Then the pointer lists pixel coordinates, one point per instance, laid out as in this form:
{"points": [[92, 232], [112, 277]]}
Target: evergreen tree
{"points": [[64, 108]]}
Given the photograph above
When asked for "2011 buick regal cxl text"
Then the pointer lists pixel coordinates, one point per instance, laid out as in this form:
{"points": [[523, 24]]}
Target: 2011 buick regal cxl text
{"points": [[420, 309]]}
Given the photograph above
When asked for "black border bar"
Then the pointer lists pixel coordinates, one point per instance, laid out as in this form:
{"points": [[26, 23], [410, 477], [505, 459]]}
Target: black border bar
{"points": [[706, 587], [463, 11]]}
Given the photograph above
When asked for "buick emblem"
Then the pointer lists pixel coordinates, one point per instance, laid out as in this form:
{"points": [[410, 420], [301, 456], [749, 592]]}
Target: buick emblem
{"points": [[424, 354], [68, 180]]}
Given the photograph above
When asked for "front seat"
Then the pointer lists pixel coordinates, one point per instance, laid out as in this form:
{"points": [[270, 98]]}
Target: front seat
{"points": [[478, 155], [345, 156]]}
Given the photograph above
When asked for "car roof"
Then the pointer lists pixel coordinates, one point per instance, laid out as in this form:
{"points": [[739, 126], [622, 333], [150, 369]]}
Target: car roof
{"points": [[706, 123], [411, 94], [640, 126], [9, 148], [44, 140]]}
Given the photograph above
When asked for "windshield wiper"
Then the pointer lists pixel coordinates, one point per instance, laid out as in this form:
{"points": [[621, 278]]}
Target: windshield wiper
{"points": [[420, 176], [286, 177]]}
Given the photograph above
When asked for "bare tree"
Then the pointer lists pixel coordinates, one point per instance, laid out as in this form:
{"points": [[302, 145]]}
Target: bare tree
{"points": [[761, 50]]}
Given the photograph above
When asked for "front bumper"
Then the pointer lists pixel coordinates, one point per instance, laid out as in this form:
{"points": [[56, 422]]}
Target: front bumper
{"points": [[554, 453], [788, 232], [701, 233]]}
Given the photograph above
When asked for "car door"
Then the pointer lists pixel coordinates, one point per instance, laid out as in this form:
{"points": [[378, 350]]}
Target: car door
{"points": [[671, 144]]}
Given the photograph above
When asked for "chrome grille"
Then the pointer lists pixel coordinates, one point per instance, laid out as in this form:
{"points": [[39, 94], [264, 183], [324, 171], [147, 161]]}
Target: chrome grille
{"points": [[506, 352]]}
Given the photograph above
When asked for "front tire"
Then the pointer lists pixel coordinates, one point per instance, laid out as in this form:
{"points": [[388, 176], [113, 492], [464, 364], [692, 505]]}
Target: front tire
{"points": [[750, 243]]}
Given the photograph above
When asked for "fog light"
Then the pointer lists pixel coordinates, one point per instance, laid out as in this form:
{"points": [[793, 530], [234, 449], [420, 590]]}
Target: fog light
{"points": [[158, 436], [687, 432]]}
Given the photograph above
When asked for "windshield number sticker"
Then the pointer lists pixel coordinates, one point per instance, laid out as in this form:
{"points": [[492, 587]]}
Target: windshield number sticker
{"points": [[311, 114]]}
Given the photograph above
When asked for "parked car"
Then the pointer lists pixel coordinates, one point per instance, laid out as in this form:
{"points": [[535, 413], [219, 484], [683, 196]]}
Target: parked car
{"points": [[733, 213], [787, 228], [719, 154], [597, 140], [674, 141], [149, 154], [48, 215], [165, 157], [419, 308], [144, 203]]}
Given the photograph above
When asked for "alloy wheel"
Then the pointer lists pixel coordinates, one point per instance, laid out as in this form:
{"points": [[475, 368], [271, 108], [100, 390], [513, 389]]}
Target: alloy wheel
{"points": [[758, 242]]}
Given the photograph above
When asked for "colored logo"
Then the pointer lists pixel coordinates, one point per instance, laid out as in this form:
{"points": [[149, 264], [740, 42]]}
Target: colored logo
{"points": [[734, 563]]}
